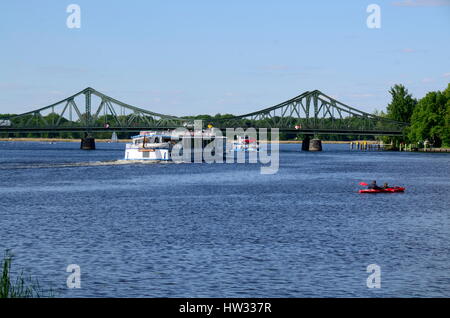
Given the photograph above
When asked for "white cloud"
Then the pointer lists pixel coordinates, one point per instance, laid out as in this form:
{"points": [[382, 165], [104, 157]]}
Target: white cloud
{"points": [[446, 74], [421, 3], [427, 80], [276, 67]]}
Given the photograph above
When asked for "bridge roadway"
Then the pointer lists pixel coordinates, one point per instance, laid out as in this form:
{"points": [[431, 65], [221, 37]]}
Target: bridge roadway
{"points": [[353, 132]]}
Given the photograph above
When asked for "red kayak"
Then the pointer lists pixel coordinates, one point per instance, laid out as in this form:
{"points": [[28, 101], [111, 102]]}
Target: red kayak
{"points": [[387, 190]]}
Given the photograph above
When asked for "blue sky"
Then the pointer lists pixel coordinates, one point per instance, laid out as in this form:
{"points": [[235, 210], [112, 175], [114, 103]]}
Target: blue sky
{"points": [[208, 57]]}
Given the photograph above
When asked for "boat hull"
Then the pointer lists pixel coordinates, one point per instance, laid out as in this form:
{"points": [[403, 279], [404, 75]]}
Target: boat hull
{"points": [[388, 190], [147, 154]]}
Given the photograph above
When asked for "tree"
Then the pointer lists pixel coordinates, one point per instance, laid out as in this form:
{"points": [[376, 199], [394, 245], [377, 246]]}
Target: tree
{"points": [[446, 132], [431, 119], [402, 106]]}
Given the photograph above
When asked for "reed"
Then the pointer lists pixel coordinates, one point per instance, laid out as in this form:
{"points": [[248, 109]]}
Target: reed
{"points": [[21, 286]]}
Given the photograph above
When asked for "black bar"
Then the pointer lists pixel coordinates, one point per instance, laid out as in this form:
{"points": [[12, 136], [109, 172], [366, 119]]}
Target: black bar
{"points": [[224, 307]]}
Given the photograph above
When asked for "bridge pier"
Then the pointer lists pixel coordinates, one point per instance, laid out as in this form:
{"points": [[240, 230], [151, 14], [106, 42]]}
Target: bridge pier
{"points": [[87, 143], [305, 143], [309, 144], [315, 145]]}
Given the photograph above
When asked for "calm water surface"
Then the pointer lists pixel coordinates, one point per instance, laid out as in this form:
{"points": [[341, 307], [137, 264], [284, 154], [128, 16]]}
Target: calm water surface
{"points": [[225, 230]]}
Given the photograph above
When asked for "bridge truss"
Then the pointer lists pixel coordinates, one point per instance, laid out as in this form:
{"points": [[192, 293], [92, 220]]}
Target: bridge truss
{"points": [[309, 113], [315, 112], [90, 110]]}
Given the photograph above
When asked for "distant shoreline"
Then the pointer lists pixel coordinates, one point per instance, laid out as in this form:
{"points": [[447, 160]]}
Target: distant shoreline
{"points": [[58, 140], [129, 140], [369, 142]]}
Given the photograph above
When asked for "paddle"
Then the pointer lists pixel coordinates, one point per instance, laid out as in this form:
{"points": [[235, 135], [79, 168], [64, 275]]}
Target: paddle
{"points": [[363, 184]]}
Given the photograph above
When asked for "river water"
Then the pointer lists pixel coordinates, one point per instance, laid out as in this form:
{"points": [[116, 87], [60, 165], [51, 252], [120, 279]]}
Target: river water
{"points": [[225, 230]]}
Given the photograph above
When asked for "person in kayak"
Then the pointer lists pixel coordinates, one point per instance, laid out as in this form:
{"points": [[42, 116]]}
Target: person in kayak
{"points": [[386, 185], [373, 185]]}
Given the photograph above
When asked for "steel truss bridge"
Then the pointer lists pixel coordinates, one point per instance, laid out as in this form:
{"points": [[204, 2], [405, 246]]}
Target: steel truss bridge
{"points": [[90, 111]]}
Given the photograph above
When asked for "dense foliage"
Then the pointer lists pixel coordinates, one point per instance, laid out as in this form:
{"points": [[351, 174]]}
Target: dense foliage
{"points": [[402, 106], [429, 117]]}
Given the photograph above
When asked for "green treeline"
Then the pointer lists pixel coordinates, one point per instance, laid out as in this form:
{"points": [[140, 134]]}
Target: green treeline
{"points": [[429, 117]]}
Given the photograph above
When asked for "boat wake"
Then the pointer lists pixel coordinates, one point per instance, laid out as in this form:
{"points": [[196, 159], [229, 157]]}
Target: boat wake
{"points": [[83, 164]]}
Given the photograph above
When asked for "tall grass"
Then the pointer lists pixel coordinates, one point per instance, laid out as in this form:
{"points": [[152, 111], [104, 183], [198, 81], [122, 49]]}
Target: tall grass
{"points": [[20, 287]]}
